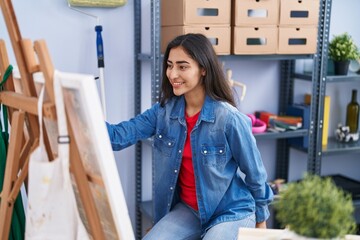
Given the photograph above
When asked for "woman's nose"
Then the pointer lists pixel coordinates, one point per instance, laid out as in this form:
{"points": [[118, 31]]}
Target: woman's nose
{"points": [[173, 73]]}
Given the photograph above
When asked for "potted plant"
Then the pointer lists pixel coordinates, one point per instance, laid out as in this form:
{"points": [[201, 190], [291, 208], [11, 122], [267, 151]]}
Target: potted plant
{"points": [[315, 208], [342, 49]]}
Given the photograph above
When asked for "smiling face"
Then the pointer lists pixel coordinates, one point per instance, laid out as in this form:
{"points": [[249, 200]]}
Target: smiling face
{"points": [[184, 74]]}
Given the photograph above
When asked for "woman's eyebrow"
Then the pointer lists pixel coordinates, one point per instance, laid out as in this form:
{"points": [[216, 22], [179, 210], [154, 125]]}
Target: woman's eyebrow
{"points": [[179, 62]]}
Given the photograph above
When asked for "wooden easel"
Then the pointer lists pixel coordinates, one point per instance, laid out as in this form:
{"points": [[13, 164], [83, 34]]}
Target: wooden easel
{"points": [[24, 137]]}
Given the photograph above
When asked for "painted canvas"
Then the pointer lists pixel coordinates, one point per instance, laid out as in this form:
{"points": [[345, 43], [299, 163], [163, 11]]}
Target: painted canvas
{"points": [[83, 107]]}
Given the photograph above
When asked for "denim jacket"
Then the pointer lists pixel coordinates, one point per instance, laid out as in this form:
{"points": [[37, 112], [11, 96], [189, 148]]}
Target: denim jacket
{"points": [[222, 144]]}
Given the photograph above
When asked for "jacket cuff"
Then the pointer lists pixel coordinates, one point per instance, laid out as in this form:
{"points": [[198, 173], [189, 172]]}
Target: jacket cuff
{"points": [[262, 213]]}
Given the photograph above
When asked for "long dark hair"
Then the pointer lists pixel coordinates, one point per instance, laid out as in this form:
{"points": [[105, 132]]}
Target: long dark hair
{"points": [[200, 49]]}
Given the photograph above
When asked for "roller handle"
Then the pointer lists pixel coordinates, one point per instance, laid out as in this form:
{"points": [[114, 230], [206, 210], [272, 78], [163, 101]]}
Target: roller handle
{"points": [[99, 47]]}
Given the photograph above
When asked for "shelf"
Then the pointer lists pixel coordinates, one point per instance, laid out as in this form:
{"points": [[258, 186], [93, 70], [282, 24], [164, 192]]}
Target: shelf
{"points": [[145, 57], [303, 76], [334, 147], [267, 57], [286, 134], [351, 77]]}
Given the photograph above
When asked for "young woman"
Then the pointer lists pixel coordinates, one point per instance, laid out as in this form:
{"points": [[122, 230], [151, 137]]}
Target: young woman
{"points": [[201, 144]]}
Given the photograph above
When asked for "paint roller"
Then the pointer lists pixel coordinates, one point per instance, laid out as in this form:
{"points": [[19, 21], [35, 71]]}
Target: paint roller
{"points": [[97, 3], [98, 29]]}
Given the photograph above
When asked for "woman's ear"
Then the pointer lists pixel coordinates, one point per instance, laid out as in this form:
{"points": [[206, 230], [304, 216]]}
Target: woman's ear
{"points": [[203, 72]]}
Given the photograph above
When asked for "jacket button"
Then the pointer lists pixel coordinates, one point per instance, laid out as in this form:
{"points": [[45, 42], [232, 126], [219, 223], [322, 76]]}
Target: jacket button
{"points": [[171, 188], [205, 152], [160, 136], [169, 143], [221, 151]]}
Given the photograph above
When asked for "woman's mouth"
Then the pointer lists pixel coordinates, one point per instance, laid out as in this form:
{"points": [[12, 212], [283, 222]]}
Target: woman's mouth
{"points": [[177, 84]]}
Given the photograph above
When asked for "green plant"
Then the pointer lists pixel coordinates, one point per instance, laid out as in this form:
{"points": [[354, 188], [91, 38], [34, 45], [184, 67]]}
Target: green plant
{"points": [[342, 47], [315, 207]]}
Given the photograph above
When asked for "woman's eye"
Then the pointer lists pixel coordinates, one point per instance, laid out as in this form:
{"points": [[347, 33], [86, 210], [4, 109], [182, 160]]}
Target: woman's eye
{"points": [[169, 66], [183, 67]]}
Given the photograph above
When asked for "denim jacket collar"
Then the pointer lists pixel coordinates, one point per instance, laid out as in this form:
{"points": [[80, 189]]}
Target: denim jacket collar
{"points": [[207, 111]]}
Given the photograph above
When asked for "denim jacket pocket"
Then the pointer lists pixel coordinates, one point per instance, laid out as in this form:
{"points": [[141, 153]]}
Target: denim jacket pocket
{"points": [[163, 144], [213, 155]]}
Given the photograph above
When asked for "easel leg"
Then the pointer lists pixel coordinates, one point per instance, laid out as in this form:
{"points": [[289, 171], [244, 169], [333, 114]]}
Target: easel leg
{"points": [[4, 64], [24, 162], [11, 171], [86, 196]]}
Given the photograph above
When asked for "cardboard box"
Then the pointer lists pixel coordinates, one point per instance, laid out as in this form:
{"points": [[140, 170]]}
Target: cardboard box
{"points": [[255, 40], [297, 40], [295, 12], [219, 36], [252, 12], [195, 12]]}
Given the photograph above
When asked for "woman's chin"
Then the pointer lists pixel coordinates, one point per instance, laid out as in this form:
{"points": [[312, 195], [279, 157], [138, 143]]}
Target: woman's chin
{"points": [[177, 93]]}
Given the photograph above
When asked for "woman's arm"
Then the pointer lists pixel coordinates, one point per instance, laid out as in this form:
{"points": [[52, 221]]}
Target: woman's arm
{"points": [[127, 133], [246, 153], [261, 224]]}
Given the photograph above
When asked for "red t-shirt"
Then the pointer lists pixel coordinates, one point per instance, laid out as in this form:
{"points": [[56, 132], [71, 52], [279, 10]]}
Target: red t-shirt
{"points": [[186, 176]]}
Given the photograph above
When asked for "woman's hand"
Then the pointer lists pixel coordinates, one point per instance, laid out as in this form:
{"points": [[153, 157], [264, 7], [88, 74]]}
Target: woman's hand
{"points": [[261, 224]]}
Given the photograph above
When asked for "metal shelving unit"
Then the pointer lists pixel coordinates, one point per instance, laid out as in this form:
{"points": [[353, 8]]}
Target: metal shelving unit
{"points": [[351, 77], [287, 78]]}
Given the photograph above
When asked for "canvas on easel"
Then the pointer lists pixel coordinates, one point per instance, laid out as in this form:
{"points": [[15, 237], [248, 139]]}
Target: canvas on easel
{"points": [[84, 110]]}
